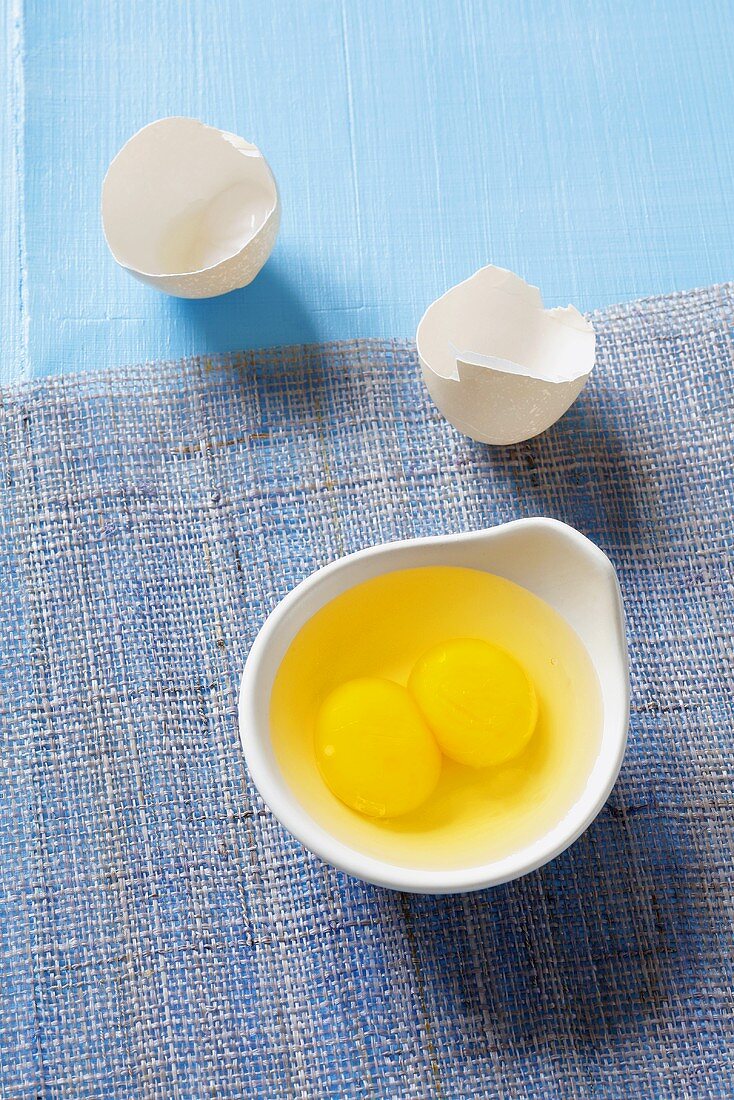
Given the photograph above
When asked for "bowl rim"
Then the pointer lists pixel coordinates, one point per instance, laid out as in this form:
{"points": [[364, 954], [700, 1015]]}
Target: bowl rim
{"points": [[281, 801]]}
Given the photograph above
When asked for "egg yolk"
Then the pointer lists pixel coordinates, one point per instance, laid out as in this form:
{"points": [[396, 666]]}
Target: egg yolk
{"points": [[477, 699], [374, 749]]}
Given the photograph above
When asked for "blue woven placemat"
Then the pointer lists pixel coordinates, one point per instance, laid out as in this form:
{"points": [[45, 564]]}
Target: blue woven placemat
{"points": [[160, 936]]}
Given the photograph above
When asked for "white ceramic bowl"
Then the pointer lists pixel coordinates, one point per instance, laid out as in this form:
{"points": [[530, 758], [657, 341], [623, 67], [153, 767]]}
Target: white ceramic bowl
{"points": [[548, 558]]}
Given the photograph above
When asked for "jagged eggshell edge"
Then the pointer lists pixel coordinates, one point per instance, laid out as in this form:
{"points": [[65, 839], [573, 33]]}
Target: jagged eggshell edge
{"points": [[495, 399]]}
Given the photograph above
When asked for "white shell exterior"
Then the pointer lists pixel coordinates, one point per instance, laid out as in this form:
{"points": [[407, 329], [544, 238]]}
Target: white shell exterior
{"points": [[189, 209], [499, 366], [550, 559]]}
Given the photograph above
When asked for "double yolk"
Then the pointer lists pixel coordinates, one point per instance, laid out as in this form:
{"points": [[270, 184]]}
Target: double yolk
{"points": [[379, 745]]}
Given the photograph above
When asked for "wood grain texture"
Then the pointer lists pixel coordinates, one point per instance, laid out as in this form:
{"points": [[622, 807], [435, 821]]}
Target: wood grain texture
{"points": [[13, 311], [584, 145]]}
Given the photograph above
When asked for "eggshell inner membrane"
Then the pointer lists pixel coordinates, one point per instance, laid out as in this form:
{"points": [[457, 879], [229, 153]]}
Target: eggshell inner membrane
{"points": [[495, 319], [499, 366], [182, 197]]}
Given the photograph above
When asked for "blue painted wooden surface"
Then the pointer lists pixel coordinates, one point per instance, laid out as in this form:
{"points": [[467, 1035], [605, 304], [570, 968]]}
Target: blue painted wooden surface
{"points": [[586, 145]]}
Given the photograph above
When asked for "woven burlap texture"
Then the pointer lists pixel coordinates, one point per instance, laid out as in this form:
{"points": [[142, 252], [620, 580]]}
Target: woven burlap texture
{"points": [[161, 936]]}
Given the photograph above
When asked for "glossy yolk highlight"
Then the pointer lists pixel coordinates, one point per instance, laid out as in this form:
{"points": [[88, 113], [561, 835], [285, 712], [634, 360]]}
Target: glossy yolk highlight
{"points": [[477, 699], [374, 749]]}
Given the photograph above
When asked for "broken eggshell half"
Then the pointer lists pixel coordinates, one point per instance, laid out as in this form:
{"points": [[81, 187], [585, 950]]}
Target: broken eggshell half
{"points": [[189, 209], [499, 366]]}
